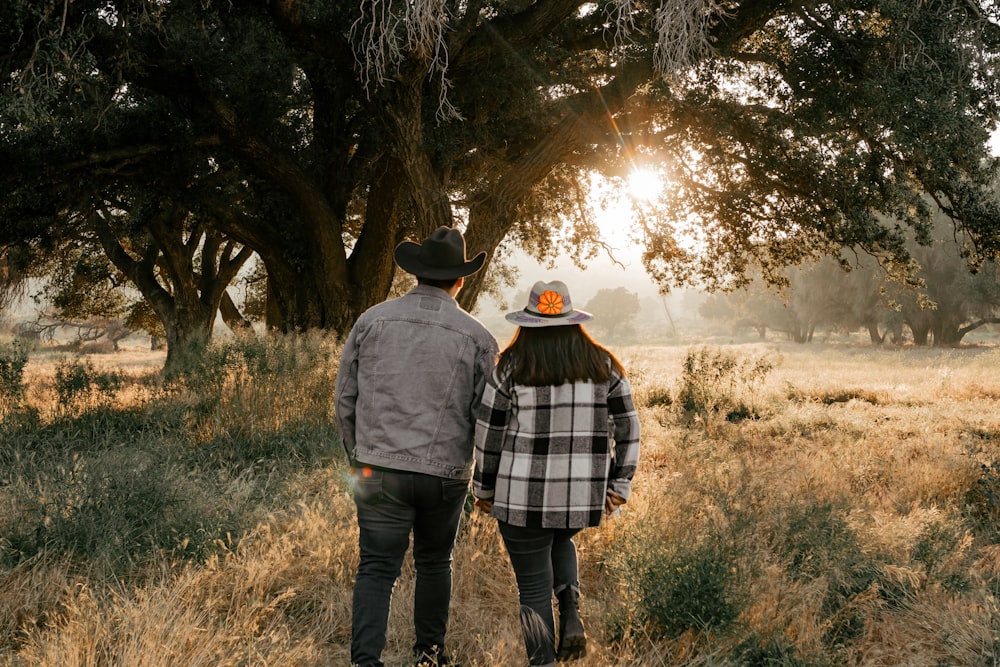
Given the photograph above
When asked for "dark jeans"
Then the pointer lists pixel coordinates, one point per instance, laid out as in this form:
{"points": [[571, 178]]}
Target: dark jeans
{"points": [[391, 505], [544, 561]]}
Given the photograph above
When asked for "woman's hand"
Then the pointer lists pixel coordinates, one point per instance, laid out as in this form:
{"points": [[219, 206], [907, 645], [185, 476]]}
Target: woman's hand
{"points": [[612, 501], [485, 506]]}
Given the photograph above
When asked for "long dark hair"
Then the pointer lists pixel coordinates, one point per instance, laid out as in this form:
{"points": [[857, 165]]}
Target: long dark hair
{"points": [[541, 356]]}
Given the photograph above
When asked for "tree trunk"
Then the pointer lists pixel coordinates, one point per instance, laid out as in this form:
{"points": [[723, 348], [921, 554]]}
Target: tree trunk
{"points": [[293, 301], [299, 294], [403, 114], [954, 335], [895, 332], [231, 315], [315, 297], [371, 266], [920, 333], [873, 335], [188, 328]]}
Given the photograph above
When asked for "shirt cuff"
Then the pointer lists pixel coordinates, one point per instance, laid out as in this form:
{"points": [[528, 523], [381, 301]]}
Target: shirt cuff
{"points": [[622, 487]]}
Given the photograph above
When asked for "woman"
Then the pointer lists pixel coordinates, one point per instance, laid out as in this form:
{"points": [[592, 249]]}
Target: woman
{"points": [[557, 442]]}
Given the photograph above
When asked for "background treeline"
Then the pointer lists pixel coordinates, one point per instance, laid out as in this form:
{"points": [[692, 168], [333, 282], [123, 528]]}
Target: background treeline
{"points": [[946, 302]]}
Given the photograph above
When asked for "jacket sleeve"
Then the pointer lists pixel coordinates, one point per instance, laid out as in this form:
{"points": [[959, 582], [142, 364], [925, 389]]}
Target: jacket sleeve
{"points": [[346, 394], [491, 429], [625, 432], [484, 365]]}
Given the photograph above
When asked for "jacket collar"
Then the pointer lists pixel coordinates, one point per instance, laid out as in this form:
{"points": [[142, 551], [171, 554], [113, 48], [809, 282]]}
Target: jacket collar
{"points": [[436, 292]]}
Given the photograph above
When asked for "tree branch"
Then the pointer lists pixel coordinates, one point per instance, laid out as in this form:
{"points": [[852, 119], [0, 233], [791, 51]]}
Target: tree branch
{"points": [[511, 33], [112, 159], [975, 325]]}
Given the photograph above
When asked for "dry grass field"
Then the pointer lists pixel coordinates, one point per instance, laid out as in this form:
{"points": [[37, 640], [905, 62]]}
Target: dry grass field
{"points": [[795, 505]]}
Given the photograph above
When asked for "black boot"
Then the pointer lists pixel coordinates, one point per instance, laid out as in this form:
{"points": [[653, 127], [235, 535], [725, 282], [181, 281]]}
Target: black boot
{"points": [[433, 657], [572, 638]]}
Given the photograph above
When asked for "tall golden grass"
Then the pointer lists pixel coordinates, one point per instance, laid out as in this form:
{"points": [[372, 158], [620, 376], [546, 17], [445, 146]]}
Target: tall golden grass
{"points": [[811, 505]]}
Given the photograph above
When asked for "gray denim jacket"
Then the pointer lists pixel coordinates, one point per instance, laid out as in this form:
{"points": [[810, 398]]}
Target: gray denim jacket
{"points": [[410, 381]]}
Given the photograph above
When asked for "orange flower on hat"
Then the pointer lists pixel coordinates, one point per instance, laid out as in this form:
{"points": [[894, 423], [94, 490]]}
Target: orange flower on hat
{"points": [[550, 303]]}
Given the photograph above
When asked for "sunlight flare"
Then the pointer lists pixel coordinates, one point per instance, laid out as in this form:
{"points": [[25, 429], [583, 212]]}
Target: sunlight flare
{"points": [[644, 184]]}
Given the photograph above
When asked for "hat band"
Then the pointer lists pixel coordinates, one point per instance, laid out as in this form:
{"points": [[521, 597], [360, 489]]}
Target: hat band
{"points": [[549, 316]]}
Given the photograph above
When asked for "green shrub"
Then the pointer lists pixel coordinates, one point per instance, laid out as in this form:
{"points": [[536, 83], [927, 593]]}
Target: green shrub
{"points": [[251, 398], [13, 359], [680, 587], [178, 466], [758, 651], [715, 383], [658, 397], [814, 541], [982, 500], [79, 385], [935, 544]]}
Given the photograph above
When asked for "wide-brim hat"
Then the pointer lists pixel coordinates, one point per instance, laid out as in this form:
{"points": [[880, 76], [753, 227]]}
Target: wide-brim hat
{"points": [[440, 257], [549, 305]]}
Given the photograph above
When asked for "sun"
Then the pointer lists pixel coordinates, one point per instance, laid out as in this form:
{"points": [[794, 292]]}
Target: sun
{"points": [[619, 205], [644, 184]]}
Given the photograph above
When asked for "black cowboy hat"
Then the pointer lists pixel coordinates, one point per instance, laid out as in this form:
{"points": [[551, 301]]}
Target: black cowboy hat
{"points": [[440, 257]]}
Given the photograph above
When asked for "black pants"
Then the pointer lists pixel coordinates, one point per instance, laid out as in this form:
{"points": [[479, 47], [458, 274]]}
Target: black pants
{"points": [[390, 506], [544, 561]]}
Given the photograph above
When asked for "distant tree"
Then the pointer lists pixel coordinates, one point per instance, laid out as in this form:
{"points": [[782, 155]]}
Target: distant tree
{"points": [[952, 302], [819, 295], [614, 310], [947, 302], [847, 295], [763, 308], [105, 263], [857, 295]]}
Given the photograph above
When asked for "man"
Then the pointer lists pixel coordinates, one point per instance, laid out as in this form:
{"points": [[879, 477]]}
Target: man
{"points": [[410, 381]]}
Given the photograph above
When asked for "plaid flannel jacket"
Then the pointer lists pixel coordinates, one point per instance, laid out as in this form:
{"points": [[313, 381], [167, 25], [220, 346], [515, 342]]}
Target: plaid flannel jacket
{"points": [[546, 456]]}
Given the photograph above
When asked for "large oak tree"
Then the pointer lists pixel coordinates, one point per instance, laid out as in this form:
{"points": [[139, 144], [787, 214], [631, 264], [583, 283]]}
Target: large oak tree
{"points": [[319, 134]]}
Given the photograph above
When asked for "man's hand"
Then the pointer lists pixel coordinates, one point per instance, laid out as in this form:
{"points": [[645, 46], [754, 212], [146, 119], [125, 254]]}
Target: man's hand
{"points": [[485, 506], [612, 501]]}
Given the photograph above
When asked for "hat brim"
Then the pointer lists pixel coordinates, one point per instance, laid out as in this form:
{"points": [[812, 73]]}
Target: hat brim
{"points": [[407, 258], [526, 318]]}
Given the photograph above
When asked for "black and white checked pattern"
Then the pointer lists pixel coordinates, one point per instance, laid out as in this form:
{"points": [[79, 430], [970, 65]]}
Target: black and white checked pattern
{"points": [[547, 455]]}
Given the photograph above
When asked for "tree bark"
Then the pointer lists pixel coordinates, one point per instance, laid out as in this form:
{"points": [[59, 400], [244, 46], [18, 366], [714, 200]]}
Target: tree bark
{"points": [[326, 256], [402, 112], [231, 315], [921, 333], [873, 334], [371, 266]]}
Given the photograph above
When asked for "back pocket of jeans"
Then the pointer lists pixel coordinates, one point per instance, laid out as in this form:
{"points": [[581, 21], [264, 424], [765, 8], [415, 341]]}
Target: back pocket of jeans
{"points": [[368, 487], [453, 490]]}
